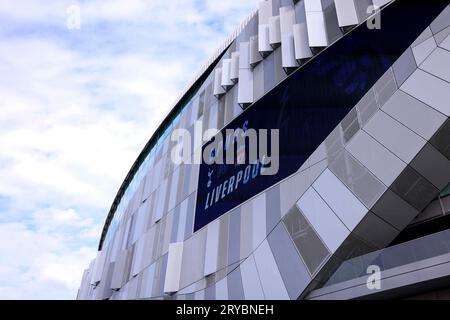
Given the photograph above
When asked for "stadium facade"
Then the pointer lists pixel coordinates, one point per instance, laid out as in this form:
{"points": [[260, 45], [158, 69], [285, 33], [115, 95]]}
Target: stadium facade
{"points": [[359, 208]]}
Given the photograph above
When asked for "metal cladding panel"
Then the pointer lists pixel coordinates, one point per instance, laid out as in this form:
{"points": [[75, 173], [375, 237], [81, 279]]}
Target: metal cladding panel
{"points": [[257, 250], [173, 272]]}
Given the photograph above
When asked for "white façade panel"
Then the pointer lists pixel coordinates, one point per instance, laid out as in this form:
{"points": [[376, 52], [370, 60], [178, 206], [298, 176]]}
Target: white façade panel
{"points": [[274, 31], [271, 280], [340, 199], [264, 11], [326, 223], [98, 267], [212, 248], [245, 88], [380, 3], [264, 46], [380, 161], [287, 21], [173, 270], [301, 42], [138, 256], [119, 270], [430, 90], [234, 67], [423, 50], [244, 55], [346, 12], [259, 220], [222, 289], [438, 64], [288, 51], [226, 82], [250, 280], [255, 56], [352, 12], [395, 136], [218, 90], [411, 113], [322, 22]]}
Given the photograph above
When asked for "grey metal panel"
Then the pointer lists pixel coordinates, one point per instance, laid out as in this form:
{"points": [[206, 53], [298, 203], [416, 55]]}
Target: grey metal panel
{"points": [[234, 235], [235, 289], [293, 271], [250, 280], [222, 289], [396, 137], [404, 66], [423, 50], [341, 200], [446, 43], [119, 270], [375, 231], [258, 81], [246, 230], [271, 280], [193, 258], [442, 36], [385, 165], [385, 87], [212, 247], [436, 62], [138, 256], [292, 189], [442, 21], [394, 210], [425, 35], [332, 231], [430, 90], [411, 113], [259, 219], [173, 270], [435, 167], [273, 213], [414, 189]]}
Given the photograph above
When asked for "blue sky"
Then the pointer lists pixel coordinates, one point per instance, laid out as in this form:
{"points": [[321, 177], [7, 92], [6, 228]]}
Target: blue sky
{"points": [[76, 108]]}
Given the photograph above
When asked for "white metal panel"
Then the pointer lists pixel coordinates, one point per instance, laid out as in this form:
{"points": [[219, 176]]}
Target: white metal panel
{"points": [[301, 42], [244, 55], [212, 248], [234, 66], [287, 19], [264, 38], [98, 267], [288, 51], [226, 77], [341, 200], [218, 90], [331, 230], [352, 12], [255, 56], [264, 11], [173, 271], [274, 31], [245, 90]]}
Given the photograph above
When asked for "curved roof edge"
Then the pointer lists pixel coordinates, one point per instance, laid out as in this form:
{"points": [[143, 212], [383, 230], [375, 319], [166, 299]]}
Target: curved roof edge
{"points": [[204, 72]]}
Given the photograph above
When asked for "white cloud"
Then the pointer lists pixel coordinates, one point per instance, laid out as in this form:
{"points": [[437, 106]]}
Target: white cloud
{"points": [[76, 108]]}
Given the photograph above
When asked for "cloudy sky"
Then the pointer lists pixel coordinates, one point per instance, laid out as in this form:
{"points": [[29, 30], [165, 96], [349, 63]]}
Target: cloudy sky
{"points": [[76, 107]]}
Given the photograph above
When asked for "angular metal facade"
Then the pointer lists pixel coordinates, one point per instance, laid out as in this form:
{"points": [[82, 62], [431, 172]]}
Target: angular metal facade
{"points": [[369, 177]]}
